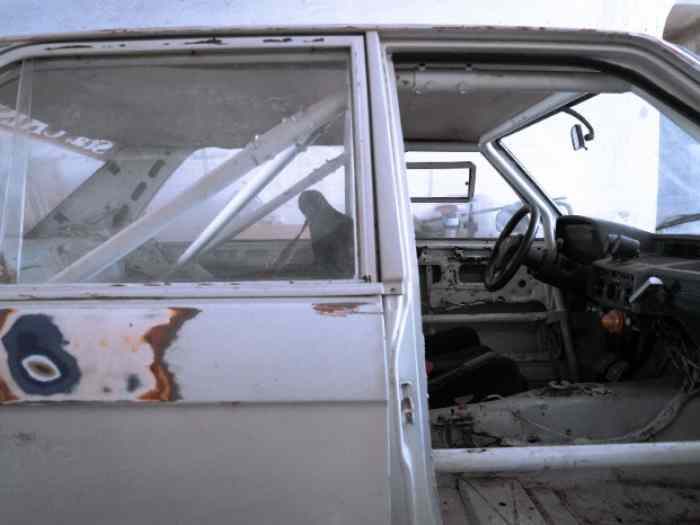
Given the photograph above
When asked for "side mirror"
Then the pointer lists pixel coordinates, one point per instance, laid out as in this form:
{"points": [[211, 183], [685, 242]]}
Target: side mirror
{"points": [[578, 141]]}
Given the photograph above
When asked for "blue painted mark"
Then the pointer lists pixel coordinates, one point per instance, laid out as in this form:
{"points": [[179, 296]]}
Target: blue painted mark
{"points": [[132, 382], [36, 358]]}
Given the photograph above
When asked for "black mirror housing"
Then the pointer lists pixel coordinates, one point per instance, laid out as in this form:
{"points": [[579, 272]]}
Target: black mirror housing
{"points": [[578, 140]]}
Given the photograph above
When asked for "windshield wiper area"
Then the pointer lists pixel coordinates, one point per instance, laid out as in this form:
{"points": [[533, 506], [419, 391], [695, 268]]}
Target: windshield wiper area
{"points": [[677, 220]]}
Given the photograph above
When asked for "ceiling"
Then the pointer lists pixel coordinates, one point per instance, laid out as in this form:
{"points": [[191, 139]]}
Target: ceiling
{"points": [[455, 117]]}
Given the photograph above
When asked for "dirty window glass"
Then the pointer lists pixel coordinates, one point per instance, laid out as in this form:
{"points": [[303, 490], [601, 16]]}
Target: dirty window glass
{"points": [[183, 169], [639, 169], [439, 180], [483, 217]]}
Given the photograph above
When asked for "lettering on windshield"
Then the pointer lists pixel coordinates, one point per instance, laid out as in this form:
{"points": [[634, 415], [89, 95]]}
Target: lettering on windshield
{"points": [[38, 129]]}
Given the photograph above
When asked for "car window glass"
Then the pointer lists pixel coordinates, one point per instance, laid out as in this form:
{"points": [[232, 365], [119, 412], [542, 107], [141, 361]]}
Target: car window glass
{"points": [[184, 170], [483, 217]]}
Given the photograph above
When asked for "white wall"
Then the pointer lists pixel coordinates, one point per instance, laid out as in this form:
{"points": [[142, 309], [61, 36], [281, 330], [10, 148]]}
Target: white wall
{"points": [[617, 179]]}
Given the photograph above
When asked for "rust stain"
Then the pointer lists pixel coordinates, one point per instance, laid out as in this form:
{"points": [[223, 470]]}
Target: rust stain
{"points": [[160, 337], [6, 394], [133, 344], [70, 46], [4, 314], [212, 40], [337, 309]]}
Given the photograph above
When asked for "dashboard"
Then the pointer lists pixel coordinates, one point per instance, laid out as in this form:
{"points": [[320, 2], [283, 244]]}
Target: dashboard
{"points": [[630, 269]]}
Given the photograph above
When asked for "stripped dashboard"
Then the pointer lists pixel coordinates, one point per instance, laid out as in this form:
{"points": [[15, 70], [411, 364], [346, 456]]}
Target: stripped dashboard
{"points": [[452, 280], [656, 275]]}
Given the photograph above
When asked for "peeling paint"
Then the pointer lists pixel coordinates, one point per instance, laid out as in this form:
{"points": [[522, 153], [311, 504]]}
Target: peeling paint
{"points": [[4, 314], [337, 309], [6, 394], [212, 40], [71, 46], [78, 355], [160, 337], [38, 360], [135, 352]]}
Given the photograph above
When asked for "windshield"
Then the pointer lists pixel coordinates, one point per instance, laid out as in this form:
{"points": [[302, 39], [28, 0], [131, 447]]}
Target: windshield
{"points": [[640, 168]]}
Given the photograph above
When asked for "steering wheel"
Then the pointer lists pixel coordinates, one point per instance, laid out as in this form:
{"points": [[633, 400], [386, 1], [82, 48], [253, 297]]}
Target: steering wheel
{"points": [[510, 249]]}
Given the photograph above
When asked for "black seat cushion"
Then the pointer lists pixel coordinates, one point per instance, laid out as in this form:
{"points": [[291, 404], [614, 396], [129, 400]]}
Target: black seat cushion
{"points": [[460, 367]]}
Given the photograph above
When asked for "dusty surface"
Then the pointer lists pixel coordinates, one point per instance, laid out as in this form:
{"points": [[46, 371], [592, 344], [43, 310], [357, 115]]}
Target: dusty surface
{"points": [[518, 502]]}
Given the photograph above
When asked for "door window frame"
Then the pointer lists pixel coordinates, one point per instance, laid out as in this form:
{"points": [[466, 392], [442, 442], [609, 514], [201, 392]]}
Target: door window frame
{"points": [[366, 258]]}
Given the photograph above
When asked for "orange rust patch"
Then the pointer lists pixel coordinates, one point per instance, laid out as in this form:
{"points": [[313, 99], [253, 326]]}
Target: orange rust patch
{"points": [[337, 309], [160, 337], [132, 343], [4, 314], [6, 394]]}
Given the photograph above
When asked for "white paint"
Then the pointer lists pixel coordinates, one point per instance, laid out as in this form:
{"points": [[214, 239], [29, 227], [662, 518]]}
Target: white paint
{"points": [[477, 462], [30, 363]]}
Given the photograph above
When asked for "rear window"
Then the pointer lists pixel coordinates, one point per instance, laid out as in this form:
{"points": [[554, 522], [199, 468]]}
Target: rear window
{"points": [[457, 195]]}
